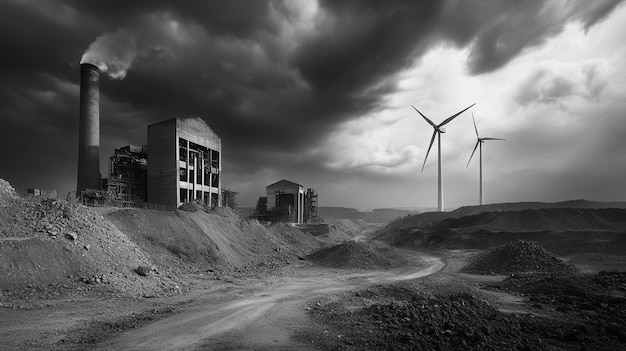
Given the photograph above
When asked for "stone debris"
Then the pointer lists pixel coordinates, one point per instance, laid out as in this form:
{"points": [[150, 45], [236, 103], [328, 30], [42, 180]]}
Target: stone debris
{"points": [[71, 236], [95, 279], [143, 270]]}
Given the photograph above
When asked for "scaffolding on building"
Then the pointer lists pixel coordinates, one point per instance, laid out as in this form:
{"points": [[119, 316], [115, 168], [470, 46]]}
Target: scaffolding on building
{"points": [[127, 179], [310, 212]]}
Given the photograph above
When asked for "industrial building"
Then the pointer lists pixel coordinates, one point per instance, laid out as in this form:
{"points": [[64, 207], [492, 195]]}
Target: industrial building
{"points": [[128, 171], [184, 163], [288, 201]]}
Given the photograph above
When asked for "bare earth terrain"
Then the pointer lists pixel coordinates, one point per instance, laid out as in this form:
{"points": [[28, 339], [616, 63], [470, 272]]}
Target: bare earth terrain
{"points": [[76, 278]]}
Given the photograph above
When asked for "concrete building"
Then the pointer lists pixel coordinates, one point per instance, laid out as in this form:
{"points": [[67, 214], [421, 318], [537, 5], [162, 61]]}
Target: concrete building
{"points": [[286, 201], [184, 163]]}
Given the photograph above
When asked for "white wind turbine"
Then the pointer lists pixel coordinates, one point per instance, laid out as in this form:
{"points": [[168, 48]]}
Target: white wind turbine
{"points": [[438, 130], [479, 142]]}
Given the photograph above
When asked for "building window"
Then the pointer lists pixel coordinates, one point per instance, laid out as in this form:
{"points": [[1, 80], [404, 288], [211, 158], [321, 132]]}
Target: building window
{"points": [[182, 149], [182, 174], [183, 195], [215, 159], [191, 176], [198, 194], [207, 173], [215, 180]]}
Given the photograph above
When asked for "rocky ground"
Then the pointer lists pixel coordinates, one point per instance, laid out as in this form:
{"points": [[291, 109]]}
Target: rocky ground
{"points": [[553, 312]]}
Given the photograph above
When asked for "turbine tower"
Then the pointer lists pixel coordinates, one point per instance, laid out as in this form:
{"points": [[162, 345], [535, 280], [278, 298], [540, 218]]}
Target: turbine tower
{"points": [[438, 130], [479, 142]]}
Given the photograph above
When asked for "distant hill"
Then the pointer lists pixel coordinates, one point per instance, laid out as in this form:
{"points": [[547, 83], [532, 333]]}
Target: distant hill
{"points": [[580, 223]]}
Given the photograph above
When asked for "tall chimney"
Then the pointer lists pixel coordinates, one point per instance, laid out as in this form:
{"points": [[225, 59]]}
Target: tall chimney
{"points": [[89, 129]]}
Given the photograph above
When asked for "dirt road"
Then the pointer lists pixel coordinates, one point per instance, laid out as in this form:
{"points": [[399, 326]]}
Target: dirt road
{"points": [[263, 319]]}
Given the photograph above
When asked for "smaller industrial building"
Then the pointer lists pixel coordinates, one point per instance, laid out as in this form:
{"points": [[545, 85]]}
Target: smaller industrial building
{"points": [[290, 202]]}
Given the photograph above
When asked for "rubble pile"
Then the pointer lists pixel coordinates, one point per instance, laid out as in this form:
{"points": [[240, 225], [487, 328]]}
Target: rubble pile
{"points": [[351, 254], [7, 193], [518, 257], [454, 321]]}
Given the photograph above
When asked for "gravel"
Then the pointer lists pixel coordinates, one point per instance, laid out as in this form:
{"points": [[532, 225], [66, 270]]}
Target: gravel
{"points": [[401, 318]]}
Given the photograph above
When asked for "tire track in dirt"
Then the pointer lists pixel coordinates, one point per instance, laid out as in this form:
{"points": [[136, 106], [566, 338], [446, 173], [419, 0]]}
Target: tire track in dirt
{"points": [[264, 319]]}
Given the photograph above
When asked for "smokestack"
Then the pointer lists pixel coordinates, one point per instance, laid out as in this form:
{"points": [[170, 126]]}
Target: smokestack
{"points": [[89, 129]]}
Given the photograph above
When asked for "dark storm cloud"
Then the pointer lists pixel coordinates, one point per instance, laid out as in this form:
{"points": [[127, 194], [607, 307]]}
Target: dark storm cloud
{"points": [[363, 43], [498, 31], [266, 93], [236, 18]]}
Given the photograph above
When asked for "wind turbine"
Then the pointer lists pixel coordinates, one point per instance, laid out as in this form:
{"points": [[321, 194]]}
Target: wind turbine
{"points": [[438, 130], [479, 142]]}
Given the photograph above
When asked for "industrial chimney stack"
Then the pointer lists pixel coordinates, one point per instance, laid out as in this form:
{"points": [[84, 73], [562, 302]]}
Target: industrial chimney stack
{"points": [[89, 129]]}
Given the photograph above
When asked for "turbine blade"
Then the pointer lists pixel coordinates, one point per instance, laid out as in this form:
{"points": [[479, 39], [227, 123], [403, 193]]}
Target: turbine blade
{"points": [[475, 147], [427, 120], [475, 128], [432, 140], [454, 116], [492, 139]]}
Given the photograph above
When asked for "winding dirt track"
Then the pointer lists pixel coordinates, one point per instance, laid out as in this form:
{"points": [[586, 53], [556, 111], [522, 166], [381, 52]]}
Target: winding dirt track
{"points": [[260, 320]]}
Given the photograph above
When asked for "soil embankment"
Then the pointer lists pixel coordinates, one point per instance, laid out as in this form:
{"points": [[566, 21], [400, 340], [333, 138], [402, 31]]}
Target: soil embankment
{"points": [[48, 244], [561, 230]]}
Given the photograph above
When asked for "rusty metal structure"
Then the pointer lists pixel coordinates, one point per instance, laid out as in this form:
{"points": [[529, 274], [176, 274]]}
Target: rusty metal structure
{"points": [[127, 181]]}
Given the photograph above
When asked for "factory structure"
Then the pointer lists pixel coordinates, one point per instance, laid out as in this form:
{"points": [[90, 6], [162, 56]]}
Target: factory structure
{"points": [[290, 202], [181, 162]]}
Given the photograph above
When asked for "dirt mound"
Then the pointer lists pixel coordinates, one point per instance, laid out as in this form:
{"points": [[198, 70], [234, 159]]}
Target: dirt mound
{"points": [[352, 254], [517, 257], [218, 239], [50, 241]]}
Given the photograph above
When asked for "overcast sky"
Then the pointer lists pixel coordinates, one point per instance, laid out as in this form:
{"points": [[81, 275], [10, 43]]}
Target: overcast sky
{"points": [[320, 93]]}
